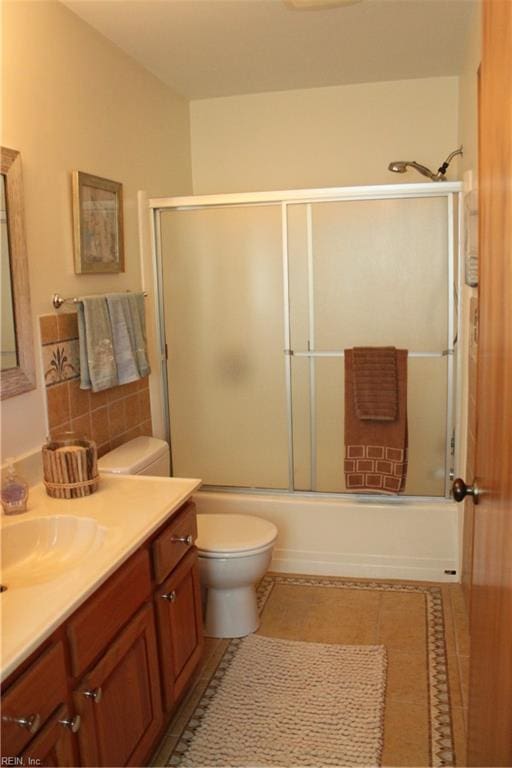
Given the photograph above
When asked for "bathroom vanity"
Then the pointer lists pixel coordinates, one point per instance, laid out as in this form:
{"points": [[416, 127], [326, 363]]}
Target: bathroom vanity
{"points": [[99, 646]]}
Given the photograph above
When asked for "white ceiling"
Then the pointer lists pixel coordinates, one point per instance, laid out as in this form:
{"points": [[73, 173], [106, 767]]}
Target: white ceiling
{"points": [[209, 48]]}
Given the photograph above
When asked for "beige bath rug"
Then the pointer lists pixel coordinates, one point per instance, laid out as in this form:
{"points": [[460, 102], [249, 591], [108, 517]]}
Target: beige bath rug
{"points": [[285, 703]]}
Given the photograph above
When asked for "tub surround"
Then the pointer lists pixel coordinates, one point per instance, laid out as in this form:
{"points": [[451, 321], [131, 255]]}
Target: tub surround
{"points": [[127, 511], [111, 417], [391, 538]]}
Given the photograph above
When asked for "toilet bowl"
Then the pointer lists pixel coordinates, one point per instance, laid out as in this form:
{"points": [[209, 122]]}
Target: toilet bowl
{"points": [[234, 550], [234, 554]]}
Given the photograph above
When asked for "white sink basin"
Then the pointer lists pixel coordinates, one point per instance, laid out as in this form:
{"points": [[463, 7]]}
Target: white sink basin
{"points": [[42, 548]]}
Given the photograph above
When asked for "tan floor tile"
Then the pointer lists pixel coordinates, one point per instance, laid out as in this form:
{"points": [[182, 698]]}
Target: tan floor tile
{"points": [[164, 750], [321, 615], [186, 709], [460, 620], [449, 639], [412, 603], [407, 679], [177, 724], [459, 604], [454, 680], [462, 642], [464, 679], [213, 653], [406, 735], [459, 736], [403, 630]]}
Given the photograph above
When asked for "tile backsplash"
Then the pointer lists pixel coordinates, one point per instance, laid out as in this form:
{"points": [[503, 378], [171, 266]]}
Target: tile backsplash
{"points": [[111, 417]]}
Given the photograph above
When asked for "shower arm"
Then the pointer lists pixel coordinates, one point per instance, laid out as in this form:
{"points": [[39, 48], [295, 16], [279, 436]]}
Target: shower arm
{"points": [[444, 167]]}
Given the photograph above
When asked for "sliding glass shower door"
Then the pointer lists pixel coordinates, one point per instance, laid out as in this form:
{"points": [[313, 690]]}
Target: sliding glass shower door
{"points": [[260, 300], [223, 305], [368, 273]]}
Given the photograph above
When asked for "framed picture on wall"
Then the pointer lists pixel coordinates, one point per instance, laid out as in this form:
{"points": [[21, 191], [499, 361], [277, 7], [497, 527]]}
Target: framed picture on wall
{"points": [[97, 224]]}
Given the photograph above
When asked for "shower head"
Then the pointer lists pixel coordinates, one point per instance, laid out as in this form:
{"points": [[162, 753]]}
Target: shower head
{"points": [[400, 166]]}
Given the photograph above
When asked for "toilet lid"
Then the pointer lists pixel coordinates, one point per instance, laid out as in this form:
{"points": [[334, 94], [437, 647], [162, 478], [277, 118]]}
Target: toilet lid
{"points": [[233, 533]]}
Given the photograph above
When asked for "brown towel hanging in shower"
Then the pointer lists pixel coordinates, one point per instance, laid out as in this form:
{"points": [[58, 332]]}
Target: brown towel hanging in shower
{"points": [[375, 442], [375, 383]]}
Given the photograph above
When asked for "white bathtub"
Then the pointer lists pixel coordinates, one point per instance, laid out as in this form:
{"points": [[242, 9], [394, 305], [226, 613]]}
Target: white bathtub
{"points": [[388, 539]]}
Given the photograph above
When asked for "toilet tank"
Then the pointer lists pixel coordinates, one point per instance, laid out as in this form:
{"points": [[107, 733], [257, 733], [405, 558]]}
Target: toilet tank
{"points": [[140, 456]]}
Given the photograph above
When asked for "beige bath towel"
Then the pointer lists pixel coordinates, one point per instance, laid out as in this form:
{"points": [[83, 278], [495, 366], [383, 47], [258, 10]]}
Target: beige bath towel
{"points": [[376, 449]]}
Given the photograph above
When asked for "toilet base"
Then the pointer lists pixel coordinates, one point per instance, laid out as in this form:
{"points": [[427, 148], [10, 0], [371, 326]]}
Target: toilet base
{"points": [[231, 612]]}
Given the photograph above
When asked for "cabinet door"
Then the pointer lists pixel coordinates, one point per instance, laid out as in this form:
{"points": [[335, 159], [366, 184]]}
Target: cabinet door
{"points": [[30, 701], [53, 746], [119, 700], [180, 627]]}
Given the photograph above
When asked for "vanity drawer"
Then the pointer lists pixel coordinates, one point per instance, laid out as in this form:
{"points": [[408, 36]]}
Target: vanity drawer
{"points": [[175, 541], [34, 696], [98, 621]]}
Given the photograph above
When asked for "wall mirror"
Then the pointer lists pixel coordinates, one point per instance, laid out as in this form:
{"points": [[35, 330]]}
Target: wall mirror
{"points": [[17, 373]]}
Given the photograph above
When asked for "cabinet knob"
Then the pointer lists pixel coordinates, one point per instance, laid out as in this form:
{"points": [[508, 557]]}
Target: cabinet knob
{"points": [[94, 694], [170, 596], [31, 723], [72, 723], [183, 539]]}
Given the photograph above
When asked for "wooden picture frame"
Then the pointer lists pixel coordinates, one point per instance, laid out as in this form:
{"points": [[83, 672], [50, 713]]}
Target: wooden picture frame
{"points": [[21, 377], [97, 224]]}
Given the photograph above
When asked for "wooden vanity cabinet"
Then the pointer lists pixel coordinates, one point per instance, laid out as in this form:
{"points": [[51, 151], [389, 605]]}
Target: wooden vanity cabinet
{"points": [[112, 663], [180, 628], [119, 700]]}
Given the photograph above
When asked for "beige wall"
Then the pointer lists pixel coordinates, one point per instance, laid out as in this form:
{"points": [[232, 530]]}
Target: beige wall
{"points": [[323, 137], [72, 100], [468, 94]]}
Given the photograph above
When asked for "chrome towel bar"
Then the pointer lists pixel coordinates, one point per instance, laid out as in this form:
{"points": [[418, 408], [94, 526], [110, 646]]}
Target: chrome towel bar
{"points": [[58, 300]]}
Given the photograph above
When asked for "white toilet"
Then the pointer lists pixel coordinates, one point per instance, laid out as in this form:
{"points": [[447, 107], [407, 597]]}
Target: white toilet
{"points": [[234, 550], [234, 554], [140, 456]]}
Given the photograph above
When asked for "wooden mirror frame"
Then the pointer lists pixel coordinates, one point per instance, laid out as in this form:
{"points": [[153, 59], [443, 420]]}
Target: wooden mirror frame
{"points": [[14, 381]]}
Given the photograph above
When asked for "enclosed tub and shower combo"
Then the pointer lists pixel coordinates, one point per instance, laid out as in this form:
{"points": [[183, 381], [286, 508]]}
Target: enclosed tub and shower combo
{"points": [[259, 297]]}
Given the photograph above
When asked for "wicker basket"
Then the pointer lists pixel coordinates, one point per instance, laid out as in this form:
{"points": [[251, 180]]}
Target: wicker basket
{"points": [[70, 466]]}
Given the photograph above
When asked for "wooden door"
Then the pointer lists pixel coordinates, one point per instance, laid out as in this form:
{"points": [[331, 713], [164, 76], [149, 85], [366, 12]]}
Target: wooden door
{"points": [[53, 746], [119, 701], [490, 707], [180, 627]]}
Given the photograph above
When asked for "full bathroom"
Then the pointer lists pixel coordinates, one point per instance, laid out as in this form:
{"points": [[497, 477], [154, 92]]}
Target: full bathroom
{"points": [[251, 297]]}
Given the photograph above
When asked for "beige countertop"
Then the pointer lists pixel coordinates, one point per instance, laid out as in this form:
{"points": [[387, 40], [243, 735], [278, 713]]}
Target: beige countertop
{"points": [[119, 517]]}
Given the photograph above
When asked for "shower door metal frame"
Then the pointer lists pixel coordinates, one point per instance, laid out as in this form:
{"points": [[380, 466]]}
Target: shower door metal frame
{"points": [[308, 197]]}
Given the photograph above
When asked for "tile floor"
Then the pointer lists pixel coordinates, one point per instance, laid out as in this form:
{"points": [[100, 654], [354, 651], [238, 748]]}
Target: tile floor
{"points": [[396, 620]]}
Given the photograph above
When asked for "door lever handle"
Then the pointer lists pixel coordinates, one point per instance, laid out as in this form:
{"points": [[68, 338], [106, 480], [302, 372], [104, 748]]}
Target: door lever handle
{"points": [[460, 490]]}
